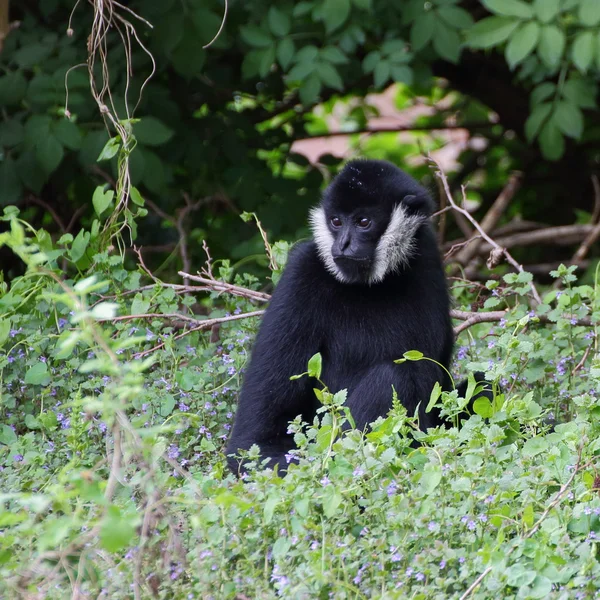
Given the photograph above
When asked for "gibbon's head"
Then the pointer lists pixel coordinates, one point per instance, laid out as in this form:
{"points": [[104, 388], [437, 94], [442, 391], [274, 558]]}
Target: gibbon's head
{"points": [[366, 224]]}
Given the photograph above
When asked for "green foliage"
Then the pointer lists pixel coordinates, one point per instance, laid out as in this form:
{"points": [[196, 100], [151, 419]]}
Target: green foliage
{"points": [[88, 372]]}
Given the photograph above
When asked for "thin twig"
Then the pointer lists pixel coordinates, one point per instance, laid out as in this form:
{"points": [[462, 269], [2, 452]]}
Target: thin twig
{"points": [[220, 28]]}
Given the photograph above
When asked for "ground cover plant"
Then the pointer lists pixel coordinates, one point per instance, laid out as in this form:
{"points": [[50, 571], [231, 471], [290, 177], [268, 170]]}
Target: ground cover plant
{"points": [[115, 412]]}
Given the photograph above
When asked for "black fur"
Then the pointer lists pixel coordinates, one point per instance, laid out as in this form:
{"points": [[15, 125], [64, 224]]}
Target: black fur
{"points": [[360, 327]]}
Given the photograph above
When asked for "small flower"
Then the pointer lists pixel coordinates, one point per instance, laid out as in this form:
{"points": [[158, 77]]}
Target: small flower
{"points": [[358, 472], [419, 577], [442, 564], [392, 488], [18, 457], [325, 481], [471, 525], [173, 451]]}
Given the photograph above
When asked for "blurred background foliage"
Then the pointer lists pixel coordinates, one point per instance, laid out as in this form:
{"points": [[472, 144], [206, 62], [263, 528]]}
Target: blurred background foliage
{"points": [[247, 124]]}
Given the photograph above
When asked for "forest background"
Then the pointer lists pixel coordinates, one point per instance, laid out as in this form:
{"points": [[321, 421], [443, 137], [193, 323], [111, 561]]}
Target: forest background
{"points": [[157, 160]]}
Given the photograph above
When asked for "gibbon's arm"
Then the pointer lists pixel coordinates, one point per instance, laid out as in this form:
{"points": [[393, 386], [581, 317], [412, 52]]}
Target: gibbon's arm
{"points": [[372, 396], [284, 344]]}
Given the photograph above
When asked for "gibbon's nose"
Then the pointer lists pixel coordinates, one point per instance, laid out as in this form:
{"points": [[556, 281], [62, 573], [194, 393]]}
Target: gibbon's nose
{"points": [[342, 244]]}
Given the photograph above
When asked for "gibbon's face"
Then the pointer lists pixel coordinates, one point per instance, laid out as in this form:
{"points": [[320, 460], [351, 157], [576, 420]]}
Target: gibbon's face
{"points": [[366, 224]]}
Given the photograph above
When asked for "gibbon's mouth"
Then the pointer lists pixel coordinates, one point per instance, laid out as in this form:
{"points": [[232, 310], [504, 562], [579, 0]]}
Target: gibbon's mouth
{"points": [[349, 260]]}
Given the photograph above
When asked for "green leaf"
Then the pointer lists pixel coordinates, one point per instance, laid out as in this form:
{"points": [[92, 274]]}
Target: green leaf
{"points": [[79, 246], [333, 55], [446, 42], [422, 31], [552, 142], [534, 446], [11, 132], [110, 149], [329, 76], [279, 21], [536, 120], [301, 70], [381, 74], [266, 61], [13, 87], [370, 61], [551, 45], [483, 408], [270, 505], [315, 365], [7, 435], [402, 73], [32, 54], [37, 374], [584, 48], [49, 153], [5, 326], [116, 531], [331, 501], [68, 134], [436, 392], [509, 8], [413, 355], [335, 13], [167, 404], [10, 185], [522, 43], [589, 12], [285, 53], [152, 132], [546, 10], [136, 197], [255, 36], [581, 92], [456, 17], [307, 54], [491, 31], [101, 199], [310, 90], [541, 92], [569, 119], [430, 479]]}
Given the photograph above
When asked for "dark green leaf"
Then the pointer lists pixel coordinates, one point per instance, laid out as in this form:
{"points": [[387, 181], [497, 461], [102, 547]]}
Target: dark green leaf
{"points": [[536, 120], [589, 12], [581, 92], [152, 132], [402, 73], [446, 42], [329, 76], [546, 10], [422, 31], [136, 197], [569, 119], [521, 43], [307, 54], [11, 133], [255, 36], [584, 48], [370, 61], [542, 92], [266, 61], [285, 53], [491, 31], [251, 64], [32, 55], [456, 17], [38, 374], [335, 13], [381, 74], [509, 8], [310, 89], [551, 45], [49, 153], [552, 142], [301, 70], [10, 185], [279, 21], [68, 134], [12, 88], [333, 55], [167, 404]]}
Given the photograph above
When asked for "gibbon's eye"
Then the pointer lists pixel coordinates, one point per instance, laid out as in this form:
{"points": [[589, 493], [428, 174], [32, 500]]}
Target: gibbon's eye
{"points": [[336, 221], [364, 222]]}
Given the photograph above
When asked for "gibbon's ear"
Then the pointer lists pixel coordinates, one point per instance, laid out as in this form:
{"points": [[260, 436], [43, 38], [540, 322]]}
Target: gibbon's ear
{"points": [[418, 203]]}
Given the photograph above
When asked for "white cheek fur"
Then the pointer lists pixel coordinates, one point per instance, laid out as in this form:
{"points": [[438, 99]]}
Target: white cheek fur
{"points": [[395, 247], [324, 241]]}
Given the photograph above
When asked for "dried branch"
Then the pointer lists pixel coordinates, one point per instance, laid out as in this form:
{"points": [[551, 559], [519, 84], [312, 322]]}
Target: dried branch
{"points": [[478, 227], [491, 218], [471, 319], [228, 288]]}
